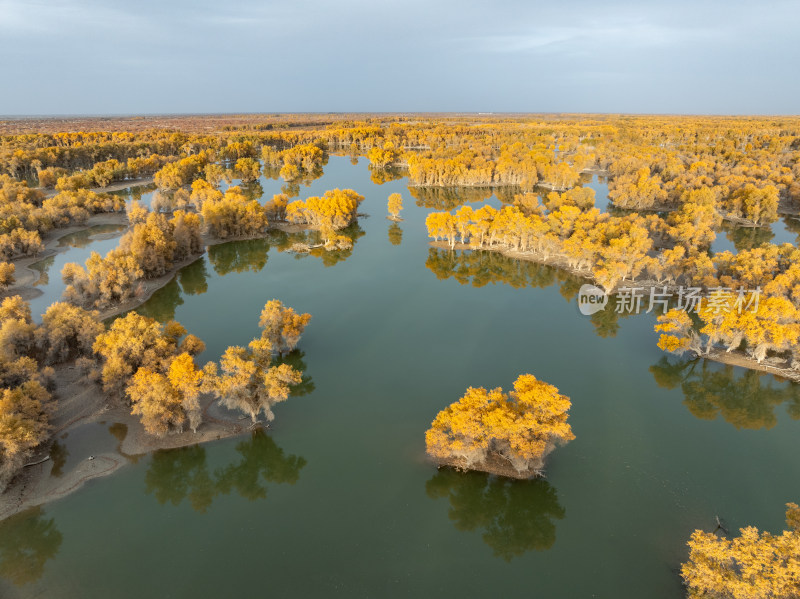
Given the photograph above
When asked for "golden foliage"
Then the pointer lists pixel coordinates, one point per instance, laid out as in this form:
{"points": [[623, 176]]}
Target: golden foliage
{"points": [[395, 204], [247, 169], [281, 326], [336, 209], [182, 172], [233, 215], [148, 250], [67, 332], [522, 426], [23, 424], [134, 341], [754, 565], [251, 380], [677, 335]]}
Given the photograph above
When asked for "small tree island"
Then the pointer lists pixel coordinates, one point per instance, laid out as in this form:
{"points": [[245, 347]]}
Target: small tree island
{"points": [[753, 565], [508, 434], [395, 205]]}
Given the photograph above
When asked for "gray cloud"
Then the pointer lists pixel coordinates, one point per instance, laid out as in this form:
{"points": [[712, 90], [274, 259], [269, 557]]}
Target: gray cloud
{"points": [[100, 57]]}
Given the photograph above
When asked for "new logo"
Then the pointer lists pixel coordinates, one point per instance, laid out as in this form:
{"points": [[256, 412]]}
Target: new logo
{"points": [[591, 299]]}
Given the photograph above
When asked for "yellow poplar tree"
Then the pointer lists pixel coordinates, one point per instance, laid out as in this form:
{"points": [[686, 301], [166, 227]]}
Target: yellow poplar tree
{"points": [[7, 270], [754, 565], [251, 380], [395, 205], [522, 426]]}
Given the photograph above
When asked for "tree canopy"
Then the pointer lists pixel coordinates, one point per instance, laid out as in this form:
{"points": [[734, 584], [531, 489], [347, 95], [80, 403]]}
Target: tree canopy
{"points": [[522, 426]]}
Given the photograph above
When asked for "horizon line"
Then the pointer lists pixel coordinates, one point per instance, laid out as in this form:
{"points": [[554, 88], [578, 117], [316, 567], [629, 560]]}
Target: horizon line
{"points": [[109, 115]]}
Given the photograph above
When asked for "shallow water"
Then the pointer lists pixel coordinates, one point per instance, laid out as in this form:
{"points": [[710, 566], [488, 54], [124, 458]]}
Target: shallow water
{"points": [[337, 500], [77, 247], [735, 238], [141, 193]]}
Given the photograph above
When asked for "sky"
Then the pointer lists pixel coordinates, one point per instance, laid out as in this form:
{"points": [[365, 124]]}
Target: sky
{"points": [[195, 56]]}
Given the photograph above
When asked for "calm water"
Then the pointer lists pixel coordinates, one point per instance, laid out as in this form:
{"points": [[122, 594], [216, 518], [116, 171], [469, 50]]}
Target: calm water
{"points": [[734, 239], [75, 247], [337, 499]]}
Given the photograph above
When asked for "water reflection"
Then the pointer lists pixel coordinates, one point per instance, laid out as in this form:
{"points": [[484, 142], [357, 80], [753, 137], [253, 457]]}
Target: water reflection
{"points": [[84, 238], [284, 241], [43, 268], [58, 458], [792, 225], [194, 278], [77, 240], [178, 474], [249, 255], [292, 188], [295, 359], [746, 238], [79, 245], [606, 322], [27, 541], [395, 234], [379, 176], [744, 398], [138, 193], [190, 280], [261, 459], [164, 302], [516, 516], [448, 198], [271, 172], [119, 431], [479, 268]]}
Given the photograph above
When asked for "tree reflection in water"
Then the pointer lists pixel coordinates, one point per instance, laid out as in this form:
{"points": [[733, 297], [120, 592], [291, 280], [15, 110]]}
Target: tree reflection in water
{"points": [[480, 267], [379, 176], [746, 238], [395, 234], [178, 474], [284, 242], [27, 541], [58, 458], [295, 359], [448, 198], [82, 239], [249, 255], [261, 459], [744, 398], [516, 516], [190, 280]]}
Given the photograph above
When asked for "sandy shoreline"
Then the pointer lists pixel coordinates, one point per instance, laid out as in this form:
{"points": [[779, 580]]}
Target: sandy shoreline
{"points": [[25, 276], [79, 402], [116, 186]]}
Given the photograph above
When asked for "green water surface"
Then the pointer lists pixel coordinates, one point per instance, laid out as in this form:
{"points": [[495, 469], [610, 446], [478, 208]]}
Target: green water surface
{"points": [[337, 498]]}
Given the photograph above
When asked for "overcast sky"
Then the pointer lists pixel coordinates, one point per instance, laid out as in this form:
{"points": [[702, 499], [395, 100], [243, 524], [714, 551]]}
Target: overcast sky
{"points": [[169, 56]]}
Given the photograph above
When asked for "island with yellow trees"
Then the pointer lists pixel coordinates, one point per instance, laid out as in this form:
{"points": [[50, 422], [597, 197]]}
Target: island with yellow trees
{"points": [[509, 434]]}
